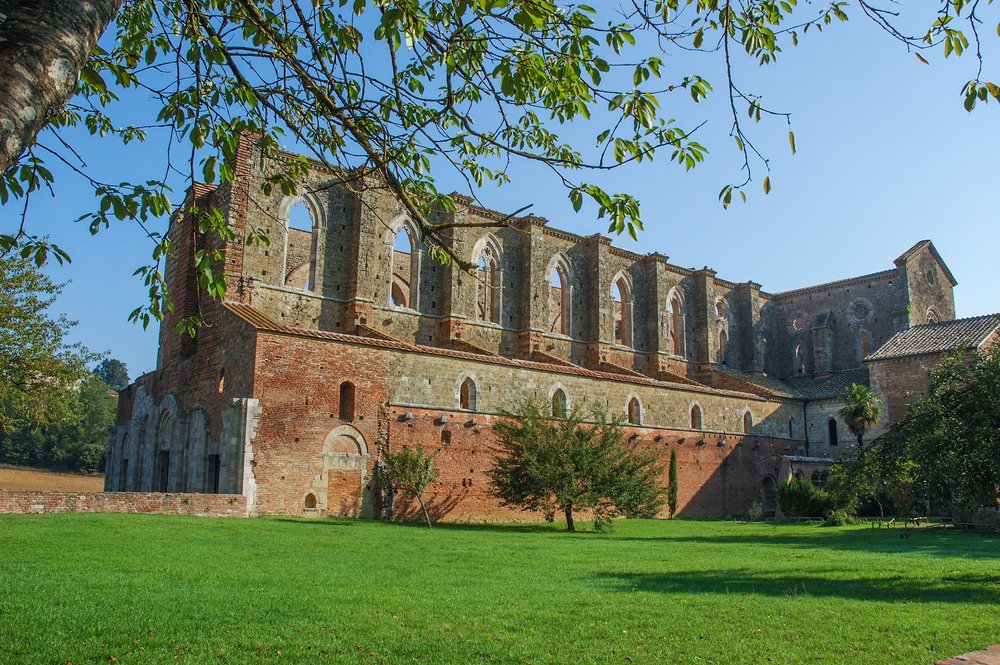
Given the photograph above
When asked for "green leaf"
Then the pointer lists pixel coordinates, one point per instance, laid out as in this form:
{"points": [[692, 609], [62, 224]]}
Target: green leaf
{"points": [[791, 140]]}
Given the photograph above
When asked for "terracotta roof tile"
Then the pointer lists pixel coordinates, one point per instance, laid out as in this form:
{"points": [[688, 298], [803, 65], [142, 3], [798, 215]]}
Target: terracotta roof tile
{"points": [[827, 386], [260, 321], [938, 337]]}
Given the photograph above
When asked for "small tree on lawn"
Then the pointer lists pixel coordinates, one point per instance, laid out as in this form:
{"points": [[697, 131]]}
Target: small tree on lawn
{"points": [[672, 483], [565, 464], [411, 471]]}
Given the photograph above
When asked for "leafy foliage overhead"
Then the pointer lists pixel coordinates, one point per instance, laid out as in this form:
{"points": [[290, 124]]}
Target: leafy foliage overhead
{"points": [[405, 91]]}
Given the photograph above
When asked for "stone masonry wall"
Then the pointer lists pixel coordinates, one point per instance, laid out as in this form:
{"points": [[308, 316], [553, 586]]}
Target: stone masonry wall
{"points": [[209, 505], [309, 458]]}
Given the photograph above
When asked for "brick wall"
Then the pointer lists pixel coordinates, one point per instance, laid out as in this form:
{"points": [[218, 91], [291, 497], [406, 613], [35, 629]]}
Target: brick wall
{"points": [[718, 474], [208, 505], [900, 382]]}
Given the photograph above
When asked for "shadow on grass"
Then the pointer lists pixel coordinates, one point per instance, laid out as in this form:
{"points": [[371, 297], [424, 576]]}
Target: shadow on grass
{"points": [[957, 588], [924, 541], [320, 521], [527, 527]]}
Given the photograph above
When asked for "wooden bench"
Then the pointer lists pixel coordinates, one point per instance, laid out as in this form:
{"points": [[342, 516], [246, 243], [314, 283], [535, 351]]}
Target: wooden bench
{"points": [[880, 522]]}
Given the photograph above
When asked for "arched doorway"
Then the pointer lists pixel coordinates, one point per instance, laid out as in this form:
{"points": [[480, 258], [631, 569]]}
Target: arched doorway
{"points": [[769, 492], [347, 484]]}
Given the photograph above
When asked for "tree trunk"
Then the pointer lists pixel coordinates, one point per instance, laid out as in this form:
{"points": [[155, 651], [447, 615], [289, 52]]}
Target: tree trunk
{"points": [[427, 518], [43, 46], [568, 510]]}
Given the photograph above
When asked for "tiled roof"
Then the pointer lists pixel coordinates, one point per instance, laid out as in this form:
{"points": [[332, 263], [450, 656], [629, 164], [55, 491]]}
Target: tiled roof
{"points": [[939, 337], [261, 321], [828, 386], [754, 382]]}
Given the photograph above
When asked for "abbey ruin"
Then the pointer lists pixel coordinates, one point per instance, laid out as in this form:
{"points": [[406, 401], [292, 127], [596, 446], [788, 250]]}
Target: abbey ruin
{"points": [[341, 339]]}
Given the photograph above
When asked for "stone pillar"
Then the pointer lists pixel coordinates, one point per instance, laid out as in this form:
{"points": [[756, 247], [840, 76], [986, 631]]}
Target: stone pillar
{"points": [[239, 427], [742, 338], [701, 314]]}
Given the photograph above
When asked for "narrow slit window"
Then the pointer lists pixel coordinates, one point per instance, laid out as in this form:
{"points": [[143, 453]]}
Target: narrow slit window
{"points": [[347, 401]]}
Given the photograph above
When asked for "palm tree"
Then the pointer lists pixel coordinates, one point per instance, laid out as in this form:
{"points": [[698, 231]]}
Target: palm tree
{"points": [[862, 411]]}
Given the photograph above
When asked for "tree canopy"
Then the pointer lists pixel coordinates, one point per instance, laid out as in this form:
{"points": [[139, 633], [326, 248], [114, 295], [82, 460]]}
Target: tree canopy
{"points": [[113, 372], [947, 449], [566, 465], [411, 471], [39, 370], [404, 91], [862, 410]]}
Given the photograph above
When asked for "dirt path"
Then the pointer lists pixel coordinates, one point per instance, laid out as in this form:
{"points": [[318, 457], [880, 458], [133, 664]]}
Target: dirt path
{"points": [[14, 478]]}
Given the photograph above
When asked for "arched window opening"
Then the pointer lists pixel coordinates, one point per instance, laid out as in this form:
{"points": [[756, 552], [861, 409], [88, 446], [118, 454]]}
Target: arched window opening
{"points": [[405, 270], [721, 353], [720, 309], [800, 360], [696, 417], [161, 471], [559, 403], [831, 431], [791, 428], [747, 422], [488, 286], [932, 316], [634, 412], [123, 475], [814, 479], [213, 474], [347, 401], [676, 322], [621, 309], [865, 343], [301, 247], [400, 292], [310, 502], [560, 294], [468, 395]]}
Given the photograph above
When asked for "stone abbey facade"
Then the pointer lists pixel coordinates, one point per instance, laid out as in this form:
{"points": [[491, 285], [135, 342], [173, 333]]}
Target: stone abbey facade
{"points": [[340, 340]]}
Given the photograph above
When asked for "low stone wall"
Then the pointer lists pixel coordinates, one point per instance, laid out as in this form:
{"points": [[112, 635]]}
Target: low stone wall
{"points": [[206, 505]]}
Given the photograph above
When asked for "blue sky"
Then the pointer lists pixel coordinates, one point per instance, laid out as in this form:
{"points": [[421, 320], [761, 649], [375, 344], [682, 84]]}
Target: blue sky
{"points": [[886, 156]]}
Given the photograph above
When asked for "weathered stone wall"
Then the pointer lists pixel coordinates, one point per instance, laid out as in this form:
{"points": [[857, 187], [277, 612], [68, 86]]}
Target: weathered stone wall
{"points": [[818, 415], [261, 406], [900, 382], [311, 458], [304, 445], [828, 322], [207, 505], [182, 428]]}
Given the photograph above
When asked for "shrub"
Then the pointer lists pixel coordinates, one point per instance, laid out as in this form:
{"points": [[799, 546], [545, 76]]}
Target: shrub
{"points": [[756, 511], [840, 517], [799, 498]]}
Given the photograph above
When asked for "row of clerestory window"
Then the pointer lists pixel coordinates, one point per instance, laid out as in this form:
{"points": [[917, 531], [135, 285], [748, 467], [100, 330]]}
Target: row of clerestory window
{"points": [[302, 248]]}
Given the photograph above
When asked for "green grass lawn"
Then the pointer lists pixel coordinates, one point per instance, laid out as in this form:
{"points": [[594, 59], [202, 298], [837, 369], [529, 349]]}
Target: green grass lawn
{"points": [[157, 589]]}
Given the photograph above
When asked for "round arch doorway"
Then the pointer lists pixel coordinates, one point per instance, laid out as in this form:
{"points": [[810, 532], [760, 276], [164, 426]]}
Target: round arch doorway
{"points": [[347, 482]]}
